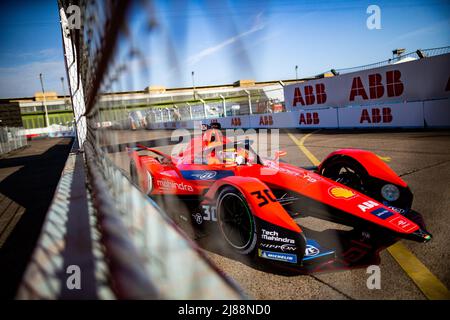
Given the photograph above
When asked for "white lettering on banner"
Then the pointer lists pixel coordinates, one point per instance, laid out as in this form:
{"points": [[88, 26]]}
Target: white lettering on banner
{"points": [[422, 79]]}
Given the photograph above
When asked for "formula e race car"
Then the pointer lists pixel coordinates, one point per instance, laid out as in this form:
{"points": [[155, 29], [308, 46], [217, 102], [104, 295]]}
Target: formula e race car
{"points": [[252, 204]]}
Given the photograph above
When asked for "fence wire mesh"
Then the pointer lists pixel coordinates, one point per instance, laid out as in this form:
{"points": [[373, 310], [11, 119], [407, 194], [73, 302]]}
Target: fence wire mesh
{"points": [[11, 139], [418, 54], [109, 55]]}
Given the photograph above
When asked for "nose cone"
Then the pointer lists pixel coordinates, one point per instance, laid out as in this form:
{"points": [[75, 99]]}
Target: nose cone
{"points": [[420, 236]]}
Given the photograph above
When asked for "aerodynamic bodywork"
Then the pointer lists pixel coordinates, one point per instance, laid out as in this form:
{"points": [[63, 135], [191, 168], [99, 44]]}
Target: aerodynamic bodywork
{"points": [[253, 204]]}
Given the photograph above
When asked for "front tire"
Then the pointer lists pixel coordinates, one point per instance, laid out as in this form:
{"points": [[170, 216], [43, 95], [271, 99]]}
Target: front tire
{"points": [[235, 221]]}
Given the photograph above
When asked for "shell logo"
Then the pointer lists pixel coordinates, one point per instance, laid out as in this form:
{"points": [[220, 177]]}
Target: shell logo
{"points": [[341, 193]]}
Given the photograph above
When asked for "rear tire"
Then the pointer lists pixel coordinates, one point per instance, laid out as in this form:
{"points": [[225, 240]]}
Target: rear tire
{"points": [[235, 221], [134, 174], [136, 181]]}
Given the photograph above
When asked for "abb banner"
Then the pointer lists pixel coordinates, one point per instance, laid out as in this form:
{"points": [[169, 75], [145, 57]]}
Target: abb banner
{"points": [[272, 120], [231, 122], [319, 118], [389, 115], [423, 79], [437, 113]]}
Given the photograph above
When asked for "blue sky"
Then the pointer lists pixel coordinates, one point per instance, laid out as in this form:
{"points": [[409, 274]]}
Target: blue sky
{"points": [[223, 41]]}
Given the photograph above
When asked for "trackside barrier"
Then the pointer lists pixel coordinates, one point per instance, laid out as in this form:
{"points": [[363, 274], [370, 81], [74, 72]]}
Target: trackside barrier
{"points": [[429, 114], [437, 113], [419, 80], [407, 115], [11, 139]]}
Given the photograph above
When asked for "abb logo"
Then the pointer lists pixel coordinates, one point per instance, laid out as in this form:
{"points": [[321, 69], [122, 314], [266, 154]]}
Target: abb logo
{"points": [[266, 120], [376, 116], [309, 118], [236, 121], [310, 97], [394, 86]]}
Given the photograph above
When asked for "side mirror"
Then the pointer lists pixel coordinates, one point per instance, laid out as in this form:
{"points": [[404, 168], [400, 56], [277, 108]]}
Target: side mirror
{"points": [[279, 154]]}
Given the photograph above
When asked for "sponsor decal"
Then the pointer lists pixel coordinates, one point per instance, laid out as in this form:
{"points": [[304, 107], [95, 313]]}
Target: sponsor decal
{"points": [[314, 250], [367, 205], [309, 95], [266, 120], [197, 217], [402, 223], [399, 210], [283, 247], [273, 236], [382, 213], [286, 257], [236, 122], [341, 193], [309, 118], [206, 174], [377, 89], [305, 175], [311, 251], [168, 184], [385, 116], [308, 178], [288, 171]]}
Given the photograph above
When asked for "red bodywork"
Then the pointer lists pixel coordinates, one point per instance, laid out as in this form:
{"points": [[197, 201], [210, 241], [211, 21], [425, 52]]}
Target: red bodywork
{"points": [[182, 176]]}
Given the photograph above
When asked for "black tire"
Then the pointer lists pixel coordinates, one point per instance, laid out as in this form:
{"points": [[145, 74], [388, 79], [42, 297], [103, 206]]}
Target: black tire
{"points": [[135, 179], [235, 221], [346, 171], [134, 174]]}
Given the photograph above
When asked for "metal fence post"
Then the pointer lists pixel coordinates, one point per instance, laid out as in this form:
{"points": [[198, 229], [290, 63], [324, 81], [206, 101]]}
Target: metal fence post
{"points": [[249, 102]]}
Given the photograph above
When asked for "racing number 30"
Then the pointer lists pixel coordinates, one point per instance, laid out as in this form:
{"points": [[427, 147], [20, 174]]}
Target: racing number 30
{"points": [[264, 196]]}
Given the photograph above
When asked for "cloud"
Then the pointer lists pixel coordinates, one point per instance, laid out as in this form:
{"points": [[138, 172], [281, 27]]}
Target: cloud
{"points": [[421, 32], [23, 80], [257, 26]]}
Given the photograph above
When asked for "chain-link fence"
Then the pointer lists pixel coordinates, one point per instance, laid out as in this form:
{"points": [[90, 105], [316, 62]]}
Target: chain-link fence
{"points": [[214, 105], [418, 54], [11, 139], [105, 58]]}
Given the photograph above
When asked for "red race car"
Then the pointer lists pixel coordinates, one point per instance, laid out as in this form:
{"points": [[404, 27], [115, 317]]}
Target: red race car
{"points": [[252, 203]]}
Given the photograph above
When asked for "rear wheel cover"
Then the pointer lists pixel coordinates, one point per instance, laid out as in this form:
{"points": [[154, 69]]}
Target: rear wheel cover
{"points": [[236, 221]]}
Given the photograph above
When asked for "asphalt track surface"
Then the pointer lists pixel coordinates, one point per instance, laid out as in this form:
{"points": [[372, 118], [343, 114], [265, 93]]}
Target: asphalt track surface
{"points": [[421, 158]]}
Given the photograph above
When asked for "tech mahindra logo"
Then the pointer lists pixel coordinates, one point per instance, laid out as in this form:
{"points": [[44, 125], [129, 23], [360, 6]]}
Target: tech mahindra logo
{"points": [[167, 184], [273, 236]]}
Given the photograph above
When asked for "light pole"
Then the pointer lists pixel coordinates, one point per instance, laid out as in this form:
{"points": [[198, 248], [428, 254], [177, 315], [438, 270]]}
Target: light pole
{"points": [[296, 73], [45, 101], [193, 84]]}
